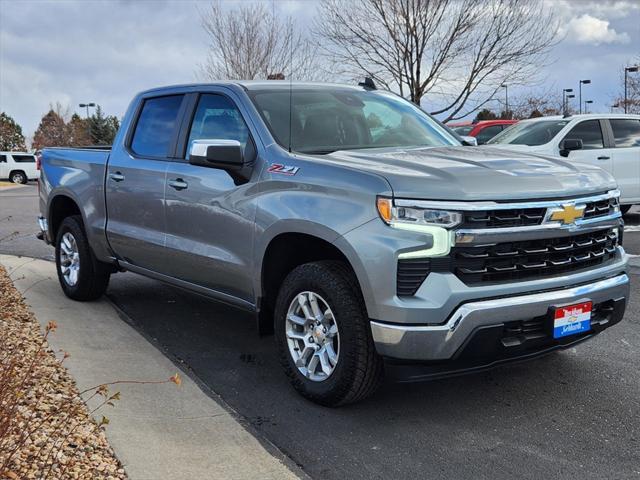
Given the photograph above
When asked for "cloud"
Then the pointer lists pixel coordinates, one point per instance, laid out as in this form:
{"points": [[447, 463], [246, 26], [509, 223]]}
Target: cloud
{"points": [[590, 30]]}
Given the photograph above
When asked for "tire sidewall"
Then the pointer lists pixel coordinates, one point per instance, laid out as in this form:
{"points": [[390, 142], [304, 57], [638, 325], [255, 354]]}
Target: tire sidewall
{"points": [[72, 225], [19, 178], [342, 376]]}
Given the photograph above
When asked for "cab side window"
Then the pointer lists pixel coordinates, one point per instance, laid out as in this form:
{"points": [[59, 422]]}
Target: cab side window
{"points": [[626, 132], [217, 118], [3, 159], [156, 126], [589, 132]]}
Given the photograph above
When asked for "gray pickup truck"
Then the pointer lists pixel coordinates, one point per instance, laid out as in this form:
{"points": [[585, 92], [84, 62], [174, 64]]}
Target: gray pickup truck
{"points": [[357, 228]]}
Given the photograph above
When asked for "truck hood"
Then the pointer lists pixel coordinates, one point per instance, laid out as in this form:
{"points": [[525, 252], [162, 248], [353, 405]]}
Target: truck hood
{"points": [[472, 173]]}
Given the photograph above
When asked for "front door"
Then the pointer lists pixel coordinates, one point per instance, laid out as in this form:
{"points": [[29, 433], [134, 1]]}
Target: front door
{"points": [[210, 215], [135, 183]]}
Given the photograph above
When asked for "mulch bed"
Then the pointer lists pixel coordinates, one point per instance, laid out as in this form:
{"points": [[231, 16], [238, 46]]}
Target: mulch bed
{"points": [[46, 430]]}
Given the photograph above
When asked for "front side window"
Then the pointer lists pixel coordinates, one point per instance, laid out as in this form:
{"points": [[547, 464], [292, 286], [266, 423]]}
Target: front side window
{"points": [[217, 118], [626, 132], [156, 126], [488, 133], [530, 133], [24, 158], [589, 132], [329, 119]]}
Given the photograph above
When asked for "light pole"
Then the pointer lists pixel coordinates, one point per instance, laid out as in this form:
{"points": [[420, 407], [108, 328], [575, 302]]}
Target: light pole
{"points": [[580, 88], [586, 102], [87, 105], [567, 104], [564, 99], [630, 70], [506, 99]]}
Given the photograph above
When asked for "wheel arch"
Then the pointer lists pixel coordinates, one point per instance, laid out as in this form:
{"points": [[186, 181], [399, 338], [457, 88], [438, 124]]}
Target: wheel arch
{"points": [[284, 251]]}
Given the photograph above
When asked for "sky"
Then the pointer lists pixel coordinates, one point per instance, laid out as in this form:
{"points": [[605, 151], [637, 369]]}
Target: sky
{"points": [[72, 51]]}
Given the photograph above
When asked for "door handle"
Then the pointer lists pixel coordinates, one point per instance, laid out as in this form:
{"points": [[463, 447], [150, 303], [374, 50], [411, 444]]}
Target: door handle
{"points": [[178, 184], [116, 176], [603, 157]]}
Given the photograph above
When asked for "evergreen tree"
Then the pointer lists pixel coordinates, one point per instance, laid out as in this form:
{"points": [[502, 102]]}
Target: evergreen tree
{"points": [[11, 137], [485, 114], [102, 129]]}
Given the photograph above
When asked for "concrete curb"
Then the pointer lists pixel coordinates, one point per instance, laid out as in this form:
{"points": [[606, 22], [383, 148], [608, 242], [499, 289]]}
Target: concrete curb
{"points": [[157, 431]]}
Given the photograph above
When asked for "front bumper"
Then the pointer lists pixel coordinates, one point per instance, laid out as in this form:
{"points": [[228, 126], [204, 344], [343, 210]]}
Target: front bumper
{"points": [[502, 317]]}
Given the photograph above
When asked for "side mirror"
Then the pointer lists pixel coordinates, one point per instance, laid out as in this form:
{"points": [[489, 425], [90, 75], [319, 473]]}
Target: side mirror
{"points": [[470, 141], [217, 153], [570, 144]]}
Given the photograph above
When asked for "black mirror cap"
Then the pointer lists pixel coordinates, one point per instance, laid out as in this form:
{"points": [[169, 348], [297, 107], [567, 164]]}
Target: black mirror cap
{"points": [[569, 145], [225, 157]]}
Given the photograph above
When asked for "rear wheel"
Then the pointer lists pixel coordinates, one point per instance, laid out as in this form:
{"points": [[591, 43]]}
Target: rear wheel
{"points": [[18, 177], [324, 337], [81, 276]]}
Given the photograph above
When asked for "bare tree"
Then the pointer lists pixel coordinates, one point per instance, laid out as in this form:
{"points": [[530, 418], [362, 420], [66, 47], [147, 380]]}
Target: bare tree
{"points": [[633, 89], [252, 42], [458, 52]]}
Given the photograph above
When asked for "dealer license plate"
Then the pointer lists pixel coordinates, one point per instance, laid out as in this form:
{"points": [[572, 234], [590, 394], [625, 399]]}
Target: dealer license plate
{"points": [[572, 319]]}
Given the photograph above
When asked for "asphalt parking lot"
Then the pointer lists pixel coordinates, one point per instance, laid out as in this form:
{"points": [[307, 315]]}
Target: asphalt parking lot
{"points": [[574, 414]]}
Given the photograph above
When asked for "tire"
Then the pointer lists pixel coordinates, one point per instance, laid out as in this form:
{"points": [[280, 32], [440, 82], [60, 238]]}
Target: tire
{"points": [[91, 277], [358, 370], [18, 177], [625, 209]]}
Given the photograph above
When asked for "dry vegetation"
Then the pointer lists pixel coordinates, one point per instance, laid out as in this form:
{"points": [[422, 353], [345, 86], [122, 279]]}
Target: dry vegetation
{"points": [[46, 430]]}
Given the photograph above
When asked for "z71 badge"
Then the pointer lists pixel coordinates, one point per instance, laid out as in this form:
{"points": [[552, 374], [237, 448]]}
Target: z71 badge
{"points": [[283, 169]]}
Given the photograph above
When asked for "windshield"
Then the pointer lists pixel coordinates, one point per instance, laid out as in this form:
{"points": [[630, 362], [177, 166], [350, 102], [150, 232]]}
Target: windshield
{"points": [[326, 120], [530, 133], [463, 130]]}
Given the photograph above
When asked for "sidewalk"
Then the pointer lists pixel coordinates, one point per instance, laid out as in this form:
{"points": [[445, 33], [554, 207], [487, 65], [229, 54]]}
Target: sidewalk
{"points": [[157, 431]]}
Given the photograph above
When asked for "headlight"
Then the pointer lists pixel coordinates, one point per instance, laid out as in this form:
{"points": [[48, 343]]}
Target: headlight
{"points": [[416, 216]]}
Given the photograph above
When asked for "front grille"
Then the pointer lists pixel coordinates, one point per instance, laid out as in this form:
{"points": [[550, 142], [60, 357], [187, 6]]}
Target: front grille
{"points": [[411, 273], [600, 208], [533, 258], [516, 217], [524, 217]]}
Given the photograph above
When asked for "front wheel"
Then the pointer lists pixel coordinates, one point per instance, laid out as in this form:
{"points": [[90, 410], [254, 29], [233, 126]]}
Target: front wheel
{"points": [[324, 337], [81, 276]]}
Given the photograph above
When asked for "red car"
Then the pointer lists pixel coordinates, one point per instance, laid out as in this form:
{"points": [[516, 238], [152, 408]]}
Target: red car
{"points": [[483, 130]]}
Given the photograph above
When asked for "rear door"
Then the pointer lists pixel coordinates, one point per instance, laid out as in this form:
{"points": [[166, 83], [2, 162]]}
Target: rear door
{"points": [[26, 163], [626, 156], [210, 215], [135, 183], [594, 150]]}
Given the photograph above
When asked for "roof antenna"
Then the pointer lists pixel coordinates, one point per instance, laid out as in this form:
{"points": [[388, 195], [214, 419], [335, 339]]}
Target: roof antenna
{"points": [[368, 83]]}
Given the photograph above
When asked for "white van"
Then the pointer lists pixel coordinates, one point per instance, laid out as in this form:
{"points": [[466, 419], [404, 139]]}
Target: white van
{"points": [[610, 141], [19, 167]]}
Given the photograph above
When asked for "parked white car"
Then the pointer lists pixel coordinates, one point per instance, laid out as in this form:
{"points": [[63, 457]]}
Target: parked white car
{"points": [[19, 167], [611, 141]]}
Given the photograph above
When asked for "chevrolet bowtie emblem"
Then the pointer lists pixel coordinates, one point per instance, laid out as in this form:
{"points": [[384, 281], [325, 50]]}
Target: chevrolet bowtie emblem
{"points": [[568, 214]]}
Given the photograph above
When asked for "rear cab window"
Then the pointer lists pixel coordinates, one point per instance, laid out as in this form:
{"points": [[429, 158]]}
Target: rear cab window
{"points": [[156, 126], [626, 132]]}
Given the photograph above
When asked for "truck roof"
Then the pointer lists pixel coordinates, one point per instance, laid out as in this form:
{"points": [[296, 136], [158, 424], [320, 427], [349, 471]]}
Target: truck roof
{"points": [[259, 85]]}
